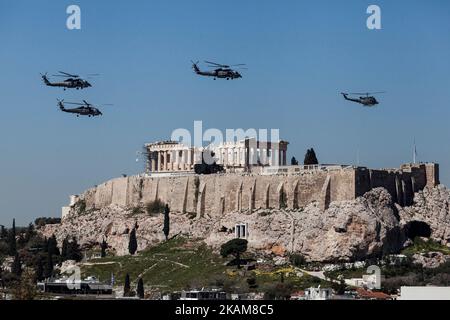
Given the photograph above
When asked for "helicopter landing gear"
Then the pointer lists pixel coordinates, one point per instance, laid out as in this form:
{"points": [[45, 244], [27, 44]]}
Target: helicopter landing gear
{"points": [[228, 78], [214, 78]]}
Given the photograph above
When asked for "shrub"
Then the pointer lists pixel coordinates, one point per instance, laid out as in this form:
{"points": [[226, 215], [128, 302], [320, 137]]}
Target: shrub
{"points": [[156, 206], [297, 259], [137, 210]]}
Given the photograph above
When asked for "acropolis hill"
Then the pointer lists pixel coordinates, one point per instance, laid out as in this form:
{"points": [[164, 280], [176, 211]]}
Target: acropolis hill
{"points": [[325, 212], [289, 187], [248, 184]]}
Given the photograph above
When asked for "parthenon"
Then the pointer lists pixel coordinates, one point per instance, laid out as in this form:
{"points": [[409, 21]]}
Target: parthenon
{"points": [[169, 156]]}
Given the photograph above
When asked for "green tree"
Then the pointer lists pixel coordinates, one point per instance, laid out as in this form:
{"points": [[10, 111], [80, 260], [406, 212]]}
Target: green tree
{"points": [[127, 287], [294, 162], [3, 232], [16, 267], [12, 245], [132, 244], [278, 291], [74, 251], [103, 246], [310, 158], [166, 227], [64, 248], [48, 269], [39, 268], [21, 242], [26, 289], [297, 259], [140, 288], [234, 247], [52, 246], [29, 233]]}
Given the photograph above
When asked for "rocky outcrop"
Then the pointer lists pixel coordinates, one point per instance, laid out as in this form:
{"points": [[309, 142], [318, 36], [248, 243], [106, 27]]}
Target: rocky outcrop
{"points": [[430, 259], [347, 231], [429, 216]]}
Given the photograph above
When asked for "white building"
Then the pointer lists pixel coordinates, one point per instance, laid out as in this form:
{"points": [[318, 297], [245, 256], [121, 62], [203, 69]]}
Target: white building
{"points": [[318, 293], [424, 293]]}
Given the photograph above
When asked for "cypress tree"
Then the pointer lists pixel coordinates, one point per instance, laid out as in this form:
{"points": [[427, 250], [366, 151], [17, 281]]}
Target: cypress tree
{"points": [[166, 227], [16, 267], [48, 270], [12, 245], [39, 268], [52, 246], [104, 246], [294, 162], [140, 289], [126, 287], [310, 158], [64, 248], [132, 244]]}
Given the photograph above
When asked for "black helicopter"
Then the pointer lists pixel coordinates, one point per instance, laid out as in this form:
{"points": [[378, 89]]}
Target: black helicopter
{"points": [[221, 71], [72, 81], [367, 101], [85, 109]]}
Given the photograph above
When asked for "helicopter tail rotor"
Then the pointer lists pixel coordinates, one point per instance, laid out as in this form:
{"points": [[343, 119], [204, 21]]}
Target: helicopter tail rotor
{"points": [[195, 66], [45, 79], [61, 104]]}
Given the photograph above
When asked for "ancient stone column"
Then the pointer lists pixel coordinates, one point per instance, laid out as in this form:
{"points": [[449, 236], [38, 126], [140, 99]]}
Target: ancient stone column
{"points": [[184, 160], [160, 160], [165, 160], [152, 162]]}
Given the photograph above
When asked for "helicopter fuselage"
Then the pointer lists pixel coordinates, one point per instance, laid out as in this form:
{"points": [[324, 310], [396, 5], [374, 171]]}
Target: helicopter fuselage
{"points": [[83, 111], [220, 73], [68, 83], [365, 101]]}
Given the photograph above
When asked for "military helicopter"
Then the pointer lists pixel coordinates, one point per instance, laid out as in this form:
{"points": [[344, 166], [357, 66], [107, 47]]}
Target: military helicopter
{"points": [[72, 81], [367, 101], [221, 71], [85, 109]]}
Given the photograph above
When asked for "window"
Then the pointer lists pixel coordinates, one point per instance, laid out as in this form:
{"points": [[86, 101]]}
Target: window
{"points": [[241, 231]]}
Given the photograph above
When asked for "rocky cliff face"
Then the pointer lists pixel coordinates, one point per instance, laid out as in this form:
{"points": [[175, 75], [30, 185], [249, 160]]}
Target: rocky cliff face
{"points": [[347, 231], [429, 215]]}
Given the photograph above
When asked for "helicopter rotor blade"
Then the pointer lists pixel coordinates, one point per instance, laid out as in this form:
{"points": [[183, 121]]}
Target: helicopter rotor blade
{"points": [[75, 103], [68, 74], [216, 64], [367, 93]]}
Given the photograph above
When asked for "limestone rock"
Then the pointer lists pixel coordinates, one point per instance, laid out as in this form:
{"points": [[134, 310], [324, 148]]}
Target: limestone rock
{"points": [[347, 231], [431, 207]]}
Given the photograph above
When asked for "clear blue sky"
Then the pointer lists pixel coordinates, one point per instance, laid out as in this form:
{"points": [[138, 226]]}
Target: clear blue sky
{"points": [[300, 55]]}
